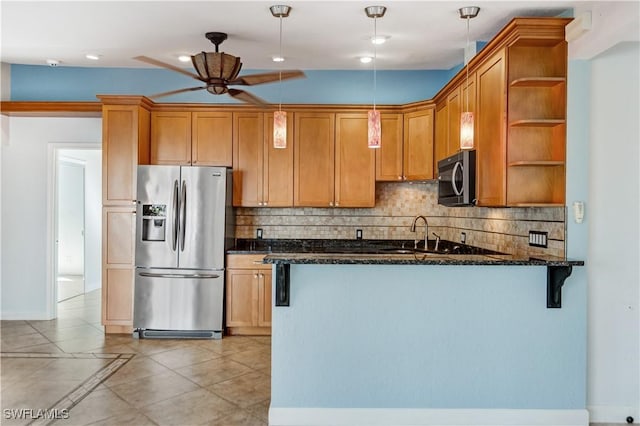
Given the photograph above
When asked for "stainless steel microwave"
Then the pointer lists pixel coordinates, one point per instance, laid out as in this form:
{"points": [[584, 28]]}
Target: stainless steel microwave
{"points": [[457, 179]]}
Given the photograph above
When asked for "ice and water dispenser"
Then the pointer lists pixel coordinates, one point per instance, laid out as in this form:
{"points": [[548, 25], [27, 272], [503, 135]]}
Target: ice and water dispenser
{"points": [[154, 222]]}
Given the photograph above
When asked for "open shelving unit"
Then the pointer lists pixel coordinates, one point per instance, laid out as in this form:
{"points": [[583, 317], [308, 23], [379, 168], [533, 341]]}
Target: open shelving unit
{"points": [[536, 117]]}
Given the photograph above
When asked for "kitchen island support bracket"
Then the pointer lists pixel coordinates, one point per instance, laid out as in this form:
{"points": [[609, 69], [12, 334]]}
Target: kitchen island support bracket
{"points": [[556, 275], [282, 284]]}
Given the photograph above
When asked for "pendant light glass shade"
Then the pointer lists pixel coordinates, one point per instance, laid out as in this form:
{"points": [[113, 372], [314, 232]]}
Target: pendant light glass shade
{"points": [[373, 129], [466, 130], [280, 129]]}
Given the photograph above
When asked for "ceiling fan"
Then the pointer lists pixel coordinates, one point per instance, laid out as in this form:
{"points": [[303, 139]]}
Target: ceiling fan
{"points": [[219, 71]]}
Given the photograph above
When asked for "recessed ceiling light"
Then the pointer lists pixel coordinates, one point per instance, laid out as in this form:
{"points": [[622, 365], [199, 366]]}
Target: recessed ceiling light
{"points": [[92, 56], [379, 39], [53, 62], [278, 59], [184, 58], [366, 59]]}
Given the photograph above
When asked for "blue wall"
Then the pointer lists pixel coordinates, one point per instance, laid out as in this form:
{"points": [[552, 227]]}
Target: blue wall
{"points": [[389, 336], [43, 83]]}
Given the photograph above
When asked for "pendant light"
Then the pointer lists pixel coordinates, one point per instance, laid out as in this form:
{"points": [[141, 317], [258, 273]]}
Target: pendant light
{"points": [[466, 118], [280, 117], [373, 116]]}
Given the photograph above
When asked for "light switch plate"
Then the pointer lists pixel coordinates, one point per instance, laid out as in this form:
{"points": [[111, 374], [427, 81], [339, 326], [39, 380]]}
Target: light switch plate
{"points": [[259, 233], [463, 237], [358, 234]]}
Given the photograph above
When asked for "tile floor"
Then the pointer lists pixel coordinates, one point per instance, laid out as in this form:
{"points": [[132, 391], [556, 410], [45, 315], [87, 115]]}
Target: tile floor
{"points": [[70, 368]]}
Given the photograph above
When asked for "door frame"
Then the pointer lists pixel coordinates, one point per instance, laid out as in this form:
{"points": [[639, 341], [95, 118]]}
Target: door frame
{"points": [[53, 154]]}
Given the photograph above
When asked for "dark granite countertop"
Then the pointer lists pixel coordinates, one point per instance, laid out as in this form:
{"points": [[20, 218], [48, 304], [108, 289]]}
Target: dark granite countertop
{"points": [[384, 252]]}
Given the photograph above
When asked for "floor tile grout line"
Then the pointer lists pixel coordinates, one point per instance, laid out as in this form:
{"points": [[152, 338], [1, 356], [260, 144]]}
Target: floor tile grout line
{"points": [[86, 392]]}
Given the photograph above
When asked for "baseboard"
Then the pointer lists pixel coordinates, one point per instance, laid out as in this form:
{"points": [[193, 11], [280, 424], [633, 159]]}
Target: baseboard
{"points": [[424, 417], [24, 316], [612, 414]]}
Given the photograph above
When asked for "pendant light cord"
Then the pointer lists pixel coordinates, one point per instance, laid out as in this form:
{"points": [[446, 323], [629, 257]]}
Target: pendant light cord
{"points": [[466, 53], [280, 68], [375, 36]]}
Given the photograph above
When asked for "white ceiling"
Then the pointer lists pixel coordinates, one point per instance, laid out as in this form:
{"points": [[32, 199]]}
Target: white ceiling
{"points": [[316, 35]]}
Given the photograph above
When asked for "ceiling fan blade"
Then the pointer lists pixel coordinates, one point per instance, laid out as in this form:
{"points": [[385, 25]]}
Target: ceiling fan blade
{"points": [[174, 92], [251, 79], [165, 65], [246, 97]]}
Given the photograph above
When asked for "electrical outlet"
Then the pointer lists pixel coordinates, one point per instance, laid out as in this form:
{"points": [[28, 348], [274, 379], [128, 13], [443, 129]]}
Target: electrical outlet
{"points": [[463, 237], [259, 233], [358, 234], [538, 239]]}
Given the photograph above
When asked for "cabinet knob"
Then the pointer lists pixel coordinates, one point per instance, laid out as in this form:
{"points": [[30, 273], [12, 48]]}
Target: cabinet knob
{"points": [[194, 162], [331, 203], [255, 275], [399, 177], [337, 204], [259, 203], [404, 178], [264, 204]]}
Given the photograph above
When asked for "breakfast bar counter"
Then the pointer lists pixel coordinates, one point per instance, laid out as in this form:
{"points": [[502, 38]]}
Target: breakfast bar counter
{"points": [[426, 339]]}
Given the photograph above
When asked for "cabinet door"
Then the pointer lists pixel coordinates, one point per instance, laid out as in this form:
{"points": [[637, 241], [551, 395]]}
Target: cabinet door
{"points": [[418, 145], [278, 167], [241, 298], [313, 166], [491, 127], [171, 138], [441, 147], [211, 139], [120, 127], [264, 298], [454, 110], [248, 140], [389, 155], [355, 173], [118, 251]]}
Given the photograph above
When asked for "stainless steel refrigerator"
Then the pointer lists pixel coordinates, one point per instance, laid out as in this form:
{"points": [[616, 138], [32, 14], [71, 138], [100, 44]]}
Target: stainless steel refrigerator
{"points": [[184, 223]]}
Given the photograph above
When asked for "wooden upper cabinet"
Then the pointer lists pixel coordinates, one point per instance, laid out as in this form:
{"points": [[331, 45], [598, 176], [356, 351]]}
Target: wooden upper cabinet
{"points": [[454, 110], [490, 140], [389, 157], [441, 144], [313, 167], [248, 158], [277, 167], [125, 144], [171, 138], [211, 138], [355, 174], [418, 145], [191, 138]]}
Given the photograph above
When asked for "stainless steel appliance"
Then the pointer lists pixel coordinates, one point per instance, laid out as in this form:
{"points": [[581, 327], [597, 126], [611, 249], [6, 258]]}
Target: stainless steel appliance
{"points": [[457, 179], [184, 225]]}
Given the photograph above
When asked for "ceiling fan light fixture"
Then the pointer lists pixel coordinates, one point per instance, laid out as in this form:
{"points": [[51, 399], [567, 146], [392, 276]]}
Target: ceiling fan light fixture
{"points": [[214, 65]]}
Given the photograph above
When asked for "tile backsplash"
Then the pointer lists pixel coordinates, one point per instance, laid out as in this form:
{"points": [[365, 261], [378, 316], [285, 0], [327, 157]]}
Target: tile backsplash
{"points": [[500, 229]]}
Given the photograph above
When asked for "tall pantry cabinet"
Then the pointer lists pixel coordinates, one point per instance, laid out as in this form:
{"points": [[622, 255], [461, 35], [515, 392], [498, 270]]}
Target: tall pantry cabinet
{"points": [[125, 144]]}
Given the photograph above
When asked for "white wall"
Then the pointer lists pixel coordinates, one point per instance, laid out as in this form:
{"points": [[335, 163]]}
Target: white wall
{"points": [[24, 209], [614, 248], [93, 215]]}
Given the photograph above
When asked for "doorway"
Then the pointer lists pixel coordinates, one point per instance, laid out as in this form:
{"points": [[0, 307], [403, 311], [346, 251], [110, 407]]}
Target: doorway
{"points": [[71, 216], [76, 225]]}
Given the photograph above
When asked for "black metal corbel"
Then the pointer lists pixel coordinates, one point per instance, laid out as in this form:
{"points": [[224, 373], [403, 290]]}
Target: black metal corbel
{"points": [[282, 284], [556, 275]]}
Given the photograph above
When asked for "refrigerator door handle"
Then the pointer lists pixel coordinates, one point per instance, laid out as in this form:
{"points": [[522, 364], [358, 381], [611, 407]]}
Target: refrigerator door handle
{"points": [[183, 214], [176, 205], [195, 276]]}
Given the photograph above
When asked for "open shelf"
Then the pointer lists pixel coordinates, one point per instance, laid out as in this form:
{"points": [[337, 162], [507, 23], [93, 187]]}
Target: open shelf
{"points": [[538, 81], [545, 122]]}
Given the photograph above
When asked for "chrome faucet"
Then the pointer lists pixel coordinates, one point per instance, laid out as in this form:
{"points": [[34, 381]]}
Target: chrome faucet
{"points": [[426, 231]]}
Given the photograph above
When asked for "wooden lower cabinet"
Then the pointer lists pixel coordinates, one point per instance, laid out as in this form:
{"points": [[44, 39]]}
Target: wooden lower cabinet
{"points": [[118, 252], [248, 295]]}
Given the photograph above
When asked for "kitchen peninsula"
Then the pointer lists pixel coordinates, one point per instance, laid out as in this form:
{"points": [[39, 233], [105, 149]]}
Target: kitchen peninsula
{"points": [[426, 339]]}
